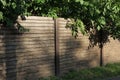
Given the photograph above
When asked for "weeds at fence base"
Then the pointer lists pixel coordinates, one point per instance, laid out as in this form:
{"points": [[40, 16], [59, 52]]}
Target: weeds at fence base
{"points": [[97, 73]]}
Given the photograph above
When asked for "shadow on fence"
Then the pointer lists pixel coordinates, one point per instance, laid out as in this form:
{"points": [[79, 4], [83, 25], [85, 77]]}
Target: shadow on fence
{"points": [[10, 58], [78, 56], [42, 63]]}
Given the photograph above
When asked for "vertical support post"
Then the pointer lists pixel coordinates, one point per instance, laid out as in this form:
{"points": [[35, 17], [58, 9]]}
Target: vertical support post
{"points": [[56, 38], [101, 47]]}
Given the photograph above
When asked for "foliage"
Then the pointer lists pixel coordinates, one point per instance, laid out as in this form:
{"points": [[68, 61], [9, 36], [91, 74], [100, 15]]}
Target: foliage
{"points": [[98, 17], [89, 16], [10, 10], [98, 73]]}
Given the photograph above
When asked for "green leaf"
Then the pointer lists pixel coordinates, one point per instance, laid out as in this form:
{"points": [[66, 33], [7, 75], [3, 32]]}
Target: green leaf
{"points": [[81, 26], [40, 1], [1, 15], [98, 27], [92, 22], [81, 1], [86, 3], [97, 11], [91, 12], [13, 5], [101, 20], [3, 2]]}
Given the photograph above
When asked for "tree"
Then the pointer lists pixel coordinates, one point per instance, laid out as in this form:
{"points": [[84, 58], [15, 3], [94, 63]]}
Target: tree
{"points": [[91, 17], [86, 15]]}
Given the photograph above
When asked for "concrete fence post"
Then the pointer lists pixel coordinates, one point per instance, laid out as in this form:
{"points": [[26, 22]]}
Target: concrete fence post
{"points": [[56, 38]]}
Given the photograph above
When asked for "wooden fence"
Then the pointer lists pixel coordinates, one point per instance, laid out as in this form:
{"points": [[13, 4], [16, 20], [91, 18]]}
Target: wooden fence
{"points": [[48, 49]]}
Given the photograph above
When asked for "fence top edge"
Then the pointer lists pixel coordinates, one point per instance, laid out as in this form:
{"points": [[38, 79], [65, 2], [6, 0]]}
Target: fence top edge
{"points": [[41, 17], [37, 17]]}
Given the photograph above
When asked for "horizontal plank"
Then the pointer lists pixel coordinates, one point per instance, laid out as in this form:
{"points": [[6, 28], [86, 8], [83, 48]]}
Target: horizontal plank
{"points": [[36, 25], [64, 28], [65, 34], [73, 40], [80, 37], [29, 59], [68, 38], [38, 50], [62, 25], [32, 66], [62, 22], [41, 26], [28, 38], [25, 54], [27, 35], [51, 40], [42, 50], [40, 29], [25, 45], [36, 18], [30, 32], [75, 48], [30, 28], [34, 42], [61, 19], [65, 31], [43, 37], [36, 21]]}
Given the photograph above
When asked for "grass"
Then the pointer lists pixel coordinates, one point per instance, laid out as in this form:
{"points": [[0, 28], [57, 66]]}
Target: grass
{"points": [[98, 73]]}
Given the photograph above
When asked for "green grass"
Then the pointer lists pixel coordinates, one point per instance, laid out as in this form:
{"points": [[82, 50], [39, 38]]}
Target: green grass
{"points": [[98, 73]]}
